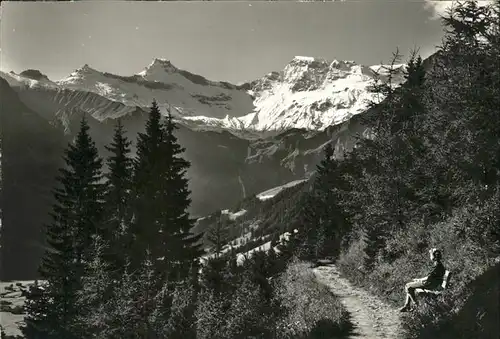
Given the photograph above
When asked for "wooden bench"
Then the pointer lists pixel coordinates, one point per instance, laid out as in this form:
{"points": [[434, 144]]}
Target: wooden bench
{"points": [[437, 291]]}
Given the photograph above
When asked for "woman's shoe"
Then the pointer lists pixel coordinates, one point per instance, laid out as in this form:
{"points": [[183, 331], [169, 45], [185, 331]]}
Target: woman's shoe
{"points": [[404, 309]]}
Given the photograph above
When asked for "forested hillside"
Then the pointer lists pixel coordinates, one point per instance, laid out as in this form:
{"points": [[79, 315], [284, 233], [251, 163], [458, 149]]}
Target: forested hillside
{"points": [[428, 177]]}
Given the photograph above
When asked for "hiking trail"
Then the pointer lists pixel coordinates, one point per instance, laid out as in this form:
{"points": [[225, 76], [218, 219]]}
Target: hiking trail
{"points": [[371, 317]]}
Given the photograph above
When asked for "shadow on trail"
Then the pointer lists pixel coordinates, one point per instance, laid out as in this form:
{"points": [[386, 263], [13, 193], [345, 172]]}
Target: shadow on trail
{"points": [[326, 329]]}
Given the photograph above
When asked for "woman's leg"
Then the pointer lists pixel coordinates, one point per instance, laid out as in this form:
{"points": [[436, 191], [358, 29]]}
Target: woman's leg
{"points": [[410, 292]]}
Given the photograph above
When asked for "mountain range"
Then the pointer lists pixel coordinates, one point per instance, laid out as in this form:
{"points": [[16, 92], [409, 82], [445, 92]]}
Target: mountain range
{"points": [[308, 93]]}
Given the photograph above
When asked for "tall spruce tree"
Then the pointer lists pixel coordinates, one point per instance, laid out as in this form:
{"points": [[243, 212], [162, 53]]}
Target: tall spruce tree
{"points": [[161, 199], [115, 232], [147, 200], [160, 227], [180, 245], [52, 310]]}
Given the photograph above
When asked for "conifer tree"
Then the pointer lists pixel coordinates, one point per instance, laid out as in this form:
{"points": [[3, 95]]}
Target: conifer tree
{"points": [[386, 190], [213, 276], [407, 142], [180, 245], [115, 232], [161, 200], [95, 297], [214, 270], [147, 202], [464, 99], [39, 320], [322, 214], [325, 197], [148, 297], [381, 174], [82, 194], [182, 315], [124, 309], [421, 171], [161, 226], [353, 193], [218, 235], [53, 310]]}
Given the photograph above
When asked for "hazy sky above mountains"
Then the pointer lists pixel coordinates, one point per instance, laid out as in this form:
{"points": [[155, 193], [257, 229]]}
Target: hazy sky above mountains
{"points": [[231, 41]]}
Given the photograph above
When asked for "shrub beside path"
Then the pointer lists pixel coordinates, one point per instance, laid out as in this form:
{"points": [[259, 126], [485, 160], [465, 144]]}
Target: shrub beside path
{"points": [[371, 317]]}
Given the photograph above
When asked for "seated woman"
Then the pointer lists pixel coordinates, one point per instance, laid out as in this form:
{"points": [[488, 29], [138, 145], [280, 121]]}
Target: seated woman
{"points": [[433, 279]]}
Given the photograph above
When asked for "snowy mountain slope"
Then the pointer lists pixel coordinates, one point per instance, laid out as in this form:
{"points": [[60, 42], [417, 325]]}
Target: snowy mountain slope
{"points": [[308, 94], [30, 78], [271, 193], [60, 103]]}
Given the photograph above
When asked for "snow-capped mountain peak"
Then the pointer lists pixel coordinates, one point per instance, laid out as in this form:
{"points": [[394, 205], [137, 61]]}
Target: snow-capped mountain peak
{"points": [[34, 74], [85, 69], [29, 78], [300, 58], [158, 65], [79, 75]]}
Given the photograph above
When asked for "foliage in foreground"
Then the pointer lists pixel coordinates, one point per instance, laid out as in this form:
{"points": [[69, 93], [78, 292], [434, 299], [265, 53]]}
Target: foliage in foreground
{"points": [[310, 309]]}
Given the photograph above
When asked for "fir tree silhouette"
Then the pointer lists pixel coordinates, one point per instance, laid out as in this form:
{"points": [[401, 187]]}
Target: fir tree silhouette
{"points": [[52, 310], [115, 233]]}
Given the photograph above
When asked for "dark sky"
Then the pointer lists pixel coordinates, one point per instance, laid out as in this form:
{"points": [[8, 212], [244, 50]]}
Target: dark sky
{"points": [[232, 41]]}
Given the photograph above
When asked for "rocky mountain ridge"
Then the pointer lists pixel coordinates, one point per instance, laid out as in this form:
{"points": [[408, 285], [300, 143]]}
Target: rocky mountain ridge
{"points": [[309, 93]]}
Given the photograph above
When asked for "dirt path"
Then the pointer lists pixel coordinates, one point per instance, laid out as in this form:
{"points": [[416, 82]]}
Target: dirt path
{"points": [[372, 318]]}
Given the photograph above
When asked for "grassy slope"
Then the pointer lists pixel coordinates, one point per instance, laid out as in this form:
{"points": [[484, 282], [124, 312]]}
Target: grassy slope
{"points": [[314, 311]]}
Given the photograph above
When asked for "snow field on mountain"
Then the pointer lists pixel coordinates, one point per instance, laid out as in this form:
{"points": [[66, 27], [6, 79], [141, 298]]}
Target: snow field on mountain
{"points": [[234, 216], [271, 193]]}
